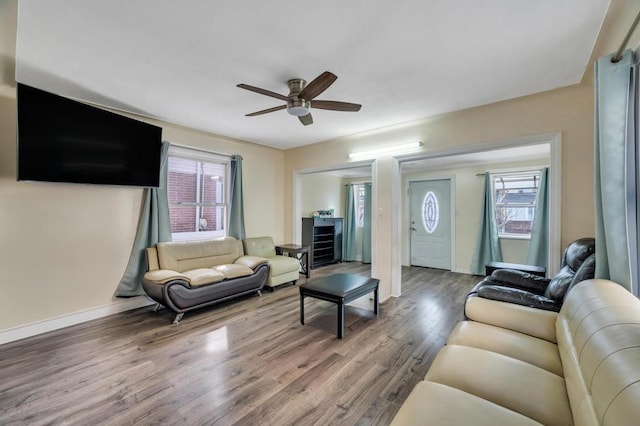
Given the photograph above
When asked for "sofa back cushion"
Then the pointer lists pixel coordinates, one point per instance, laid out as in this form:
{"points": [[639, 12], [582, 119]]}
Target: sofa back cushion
{"points": [[260, 246], [186, 255], [598, 331]]}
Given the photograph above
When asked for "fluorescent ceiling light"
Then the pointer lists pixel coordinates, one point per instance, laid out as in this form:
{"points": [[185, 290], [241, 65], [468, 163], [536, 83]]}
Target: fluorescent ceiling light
{"points": [[386, 150]]}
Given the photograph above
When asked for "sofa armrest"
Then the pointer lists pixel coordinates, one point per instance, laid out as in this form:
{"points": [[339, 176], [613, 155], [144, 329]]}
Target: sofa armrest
{"points": [[151, 256], [163, 276], [523, 319], [518, 296], [251, 261], [519, 279]]}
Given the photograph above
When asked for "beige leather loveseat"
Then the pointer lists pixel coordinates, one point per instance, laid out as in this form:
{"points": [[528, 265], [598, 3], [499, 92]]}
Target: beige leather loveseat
{"points": [[587, 372], [186, 275]]}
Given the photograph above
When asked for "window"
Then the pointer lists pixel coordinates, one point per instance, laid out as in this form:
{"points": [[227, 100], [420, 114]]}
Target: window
{"points": [[197, 189], [514, 197]]}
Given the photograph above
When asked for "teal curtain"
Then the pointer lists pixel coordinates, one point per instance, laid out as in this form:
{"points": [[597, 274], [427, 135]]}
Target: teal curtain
{"points": [[539, 244], [154, 226], [487, 244], [236, 204], [366, 230], [349, 246], [616, 171]]}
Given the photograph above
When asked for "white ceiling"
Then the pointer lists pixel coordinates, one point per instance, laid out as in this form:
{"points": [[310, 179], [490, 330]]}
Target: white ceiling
{"points": [[402, 60]]}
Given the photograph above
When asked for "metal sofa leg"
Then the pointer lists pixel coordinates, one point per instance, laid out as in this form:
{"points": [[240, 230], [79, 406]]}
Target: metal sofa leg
{"points": [[178, 318], [259, 293], [157, 307]]}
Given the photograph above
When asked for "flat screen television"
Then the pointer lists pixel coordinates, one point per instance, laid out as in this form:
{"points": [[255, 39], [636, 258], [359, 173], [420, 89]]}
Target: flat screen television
{"points": [[62, 140]]}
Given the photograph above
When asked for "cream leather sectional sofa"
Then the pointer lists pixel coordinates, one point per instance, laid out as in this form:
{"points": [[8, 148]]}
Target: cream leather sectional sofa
{"points": [[580, 366]]}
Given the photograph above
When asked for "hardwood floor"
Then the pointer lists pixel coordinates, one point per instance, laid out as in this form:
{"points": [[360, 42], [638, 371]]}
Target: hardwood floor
{"points": [[247, 362]]}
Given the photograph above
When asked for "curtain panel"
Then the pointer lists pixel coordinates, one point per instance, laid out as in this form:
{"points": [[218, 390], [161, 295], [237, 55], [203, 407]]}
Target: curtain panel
{"points": [[487, 244], [349, 244], [366, 228], [154, 226], [539, 245], [616, 170], [236, 203]]}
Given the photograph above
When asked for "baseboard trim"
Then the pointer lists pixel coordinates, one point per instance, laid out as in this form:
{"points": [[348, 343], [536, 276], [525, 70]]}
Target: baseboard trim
{"points": [[28, 330]]}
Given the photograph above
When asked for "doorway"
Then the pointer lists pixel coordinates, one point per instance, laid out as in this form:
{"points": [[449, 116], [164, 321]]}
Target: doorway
{"points": [[431, 224]]}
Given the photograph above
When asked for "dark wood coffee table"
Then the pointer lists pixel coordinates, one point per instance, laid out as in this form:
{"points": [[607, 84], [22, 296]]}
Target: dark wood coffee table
{"points": [[339, 289]]}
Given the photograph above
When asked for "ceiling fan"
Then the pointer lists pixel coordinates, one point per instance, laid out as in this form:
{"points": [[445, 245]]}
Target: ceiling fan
{"points": [[301, 98]]}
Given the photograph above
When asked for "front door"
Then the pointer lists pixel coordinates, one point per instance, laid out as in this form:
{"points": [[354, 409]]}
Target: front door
{"points": [[431, 223]]}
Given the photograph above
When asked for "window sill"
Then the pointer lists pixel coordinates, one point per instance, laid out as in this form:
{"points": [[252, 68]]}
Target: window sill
{"points": [[514, 237], [184, 236]]}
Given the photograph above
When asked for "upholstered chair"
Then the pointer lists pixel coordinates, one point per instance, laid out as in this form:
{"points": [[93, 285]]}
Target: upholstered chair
{"points": [[282, 269]]}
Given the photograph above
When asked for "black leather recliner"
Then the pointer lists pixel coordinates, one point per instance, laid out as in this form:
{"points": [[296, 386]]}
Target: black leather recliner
{"points": [[508, 285]]}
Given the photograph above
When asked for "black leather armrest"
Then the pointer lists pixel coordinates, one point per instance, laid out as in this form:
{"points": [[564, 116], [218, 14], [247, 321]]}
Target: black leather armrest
{"points": [[519, 279], [518, 297]]}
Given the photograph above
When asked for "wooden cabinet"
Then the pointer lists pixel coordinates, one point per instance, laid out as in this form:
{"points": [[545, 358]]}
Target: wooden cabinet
{"points": [[324, 236]]}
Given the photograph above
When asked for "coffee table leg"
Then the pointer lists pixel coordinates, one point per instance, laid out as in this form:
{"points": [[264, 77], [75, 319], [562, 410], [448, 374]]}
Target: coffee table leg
{"points": [[302, 309], [376, 303], [340, 319]]}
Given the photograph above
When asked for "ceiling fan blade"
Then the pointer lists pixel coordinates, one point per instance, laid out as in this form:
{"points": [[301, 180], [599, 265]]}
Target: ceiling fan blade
{"points": [[306, 119], [263, 91], [266, 111], [317, 86], [336, 106]]}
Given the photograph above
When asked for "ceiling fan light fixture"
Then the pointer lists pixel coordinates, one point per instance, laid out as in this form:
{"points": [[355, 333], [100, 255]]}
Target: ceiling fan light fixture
{"points": [[301, 98], [298, 107]]}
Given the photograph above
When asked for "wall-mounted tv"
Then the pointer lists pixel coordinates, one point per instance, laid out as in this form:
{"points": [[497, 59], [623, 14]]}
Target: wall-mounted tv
{"points": [[62, 140]]}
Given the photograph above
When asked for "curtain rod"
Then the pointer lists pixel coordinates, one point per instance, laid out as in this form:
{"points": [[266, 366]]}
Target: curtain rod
{"points": [[618, 55]]}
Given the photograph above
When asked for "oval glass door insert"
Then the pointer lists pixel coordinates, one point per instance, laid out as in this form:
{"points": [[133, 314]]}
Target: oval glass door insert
{"points": [[430, 212]]}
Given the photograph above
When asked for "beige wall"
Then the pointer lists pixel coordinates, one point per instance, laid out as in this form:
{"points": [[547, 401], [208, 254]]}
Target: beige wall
{"points": [[321, 191], [65, 246], [468, 190]]}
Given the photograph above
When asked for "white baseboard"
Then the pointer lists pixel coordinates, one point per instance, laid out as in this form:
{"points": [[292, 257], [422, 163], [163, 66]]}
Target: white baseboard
{"points": [[28, 330], [462, 271]]}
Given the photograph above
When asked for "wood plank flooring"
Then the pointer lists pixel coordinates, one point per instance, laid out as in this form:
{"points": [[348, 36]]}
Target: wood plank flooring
{"points": [[246, 362]]}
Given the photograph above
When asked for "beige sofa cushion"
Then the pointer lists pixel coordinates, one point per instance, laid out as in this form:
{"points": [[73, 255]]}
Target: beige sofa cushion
{"points": [[516, 385], [234, 271], [204, 276], [163, 276], [283, 264], [259, 246], [538, 352], [250, 261], [523, 319], [432, 403], [183, 256]]}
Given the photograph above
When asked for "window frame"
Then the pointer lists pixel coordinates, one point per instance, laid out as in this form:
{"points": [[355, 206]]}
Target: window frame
{"points": [[523, 173], [195, 154]]}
